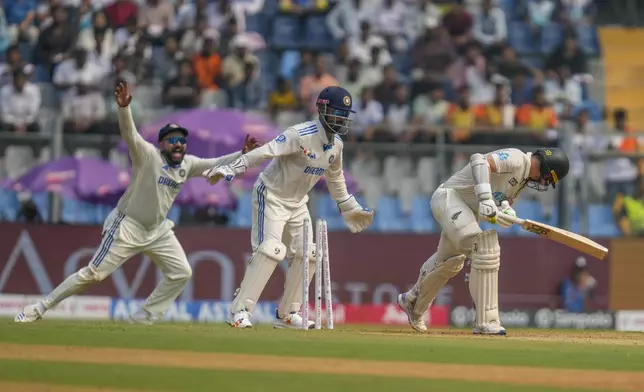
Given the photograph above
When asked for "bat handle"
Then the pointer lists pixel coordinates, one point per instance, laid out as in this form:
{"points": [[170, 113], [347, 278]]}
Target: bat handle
{"points": [[514, 219]]}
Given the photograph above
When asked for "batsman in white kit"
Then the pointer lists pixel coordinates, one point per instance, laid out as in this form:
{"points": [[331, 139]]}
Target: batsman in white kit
{"points": [[483, 190], [300, 156], [138, 224]]}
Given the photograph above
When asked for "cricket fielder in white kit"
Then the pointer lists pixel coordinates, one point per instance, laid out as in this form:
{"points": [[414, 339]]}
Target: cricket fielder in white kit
{"points": [[300, 156], [483, 190], [138, 224]]}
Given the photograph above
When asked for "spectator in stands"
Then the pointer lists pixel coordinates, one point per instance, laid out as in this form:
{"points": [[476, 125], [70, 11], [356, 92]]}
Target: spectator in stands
{"points": [[390, 23], [339, 67], [5, 39], [111, 124], [417, 16], [539, 15], [458, 23], [305, 67], [629, 212], [345, 18], [165, 65], [121, 13], [386, 91], [539, 114], [78, 69], [127, 36], [54, 41], [311, 85], [155, 18], [490, 28], [398, 114], [21, 16], [355, 80], [282, 99], [207, 65], [13, 62], [431, 55], [576, 12], [570, 55], [368, 119], [118, 73], [189, 14], [500, 112], [138, 60], [361, 46], [28, 211], [183, 92], [461, 117], [84, 109], [221, 13], [100, 26], [621, 173], [577, 292], [518, 72], [227, 36], [234, 65], [472, 62], [247, 95], [192, 40], [563, 90], [19, 104], [429, 113], [102, 53]]}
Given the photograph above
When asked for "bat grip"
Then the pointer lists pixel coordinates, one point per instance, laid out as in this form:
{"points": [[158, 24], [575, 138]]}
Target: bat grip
{"points": [[514, 219]]}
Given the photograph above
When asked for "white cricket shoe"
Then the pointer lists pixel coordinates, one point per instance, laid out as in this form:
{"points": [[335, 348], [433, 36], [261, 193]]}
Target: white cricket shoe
{"points": [[292, 320], [29, 314], [240, 319], [142, 316], [416, 323], [490, 329]]}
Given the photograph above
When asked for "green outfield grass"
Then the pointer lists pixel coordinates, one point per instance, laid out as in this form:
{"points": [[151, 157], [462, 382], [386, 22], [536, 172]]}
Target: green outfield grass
{"points": [[588, 351]]}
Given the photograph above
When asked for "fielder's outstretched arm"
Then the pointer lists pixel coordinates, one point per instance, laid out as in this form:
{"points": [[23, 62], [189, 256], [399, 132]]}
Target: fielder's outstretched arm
{"points": [[139, 149], [335, 181], [199, 165], [284, 144]]}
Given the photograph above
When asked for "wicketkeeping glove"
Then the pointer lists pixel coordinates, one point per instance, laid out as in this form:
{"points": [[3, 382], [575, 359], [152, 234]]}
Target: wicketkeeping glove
{"points": [[506, 209], [356, 217], [217, 173]]}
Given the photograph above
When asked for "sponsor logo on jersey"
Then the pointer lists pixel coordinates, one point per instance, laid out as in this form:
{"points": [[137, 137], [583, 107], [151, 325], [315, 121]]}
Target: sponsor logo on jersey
{"points": [[513, 181], [331, 159], [315, 171], [281, 139], [169, 182], [503, 156], [182, 173]]}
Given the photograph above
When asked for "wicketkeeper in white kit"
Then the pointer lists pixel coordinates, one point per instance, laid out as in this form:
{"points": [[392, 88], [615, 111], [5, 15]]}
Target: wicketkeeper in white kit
{"points": [[138, 224], [300, 156], [483, 190]]}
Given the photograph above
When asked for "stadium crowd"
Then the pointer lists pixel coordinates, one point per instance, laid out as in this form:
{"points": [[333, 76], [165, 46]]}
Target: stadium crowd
{"points": [[480, 69]]}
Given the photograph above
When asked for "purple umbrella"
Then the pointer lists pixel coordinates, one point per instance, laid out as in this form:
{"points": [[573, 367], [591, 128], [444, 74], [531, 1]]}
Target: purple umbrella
{"points": [[73, 178], [213, 132], [197, 192]]}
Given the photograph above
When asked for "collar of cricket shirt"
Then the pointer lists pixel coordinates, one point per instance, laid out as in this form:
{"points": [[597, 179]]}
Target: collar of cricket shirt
{"points": [[326, 145]]}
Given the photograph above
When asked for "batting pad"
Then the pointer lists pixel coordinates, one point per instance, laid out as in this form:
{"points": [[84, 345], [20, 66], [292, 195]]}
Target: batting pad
{"points": [[292, 299], [435, 276], [484, 278], [260, 268]]}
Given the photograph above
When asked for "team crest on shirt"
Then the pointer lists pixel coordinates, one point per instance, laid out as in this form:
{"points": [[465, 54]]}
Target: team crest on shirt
{"points": [[182, 173], [513, 181], [308, 152], [331, 159]]}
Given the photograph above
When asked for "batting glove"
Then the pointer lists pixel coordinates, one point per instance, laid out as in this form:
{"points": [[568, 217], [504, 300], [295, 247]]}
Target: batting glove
{"points": [[506, 209], [488, 210]]}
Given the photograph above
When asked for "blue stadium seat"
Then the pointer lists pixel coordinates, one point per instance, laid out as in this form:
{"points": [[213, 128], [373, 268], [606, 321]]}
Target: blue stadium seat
{"points": [[286, 32], [601, 222], [587, 38], [520, 37], [244, 214], [257, 22], [318, 36], [389, 215], [509, 7], [289, 62], [421, 206], [78, 212], [551, 37], [42, 202], [421, 219], [9, 205], [534, 61], [327, 209], [594, 109]]}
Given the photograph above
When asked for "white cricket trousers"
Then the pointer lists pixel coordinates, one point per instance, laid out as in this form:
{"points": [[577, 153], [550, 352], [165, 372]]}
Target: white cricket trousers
{"points": [[124, 238], [274, 221]]}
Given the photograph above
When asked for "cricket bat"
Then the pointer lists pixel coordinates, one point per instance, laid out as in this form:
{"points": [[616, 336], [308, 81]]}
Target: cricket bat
{"points": [[562, 236]]}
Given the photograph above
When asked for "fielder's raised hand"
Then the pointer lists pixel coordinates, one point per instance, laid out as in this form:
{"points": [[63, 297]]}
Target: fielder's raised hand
{"points": [[122, 94]]}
